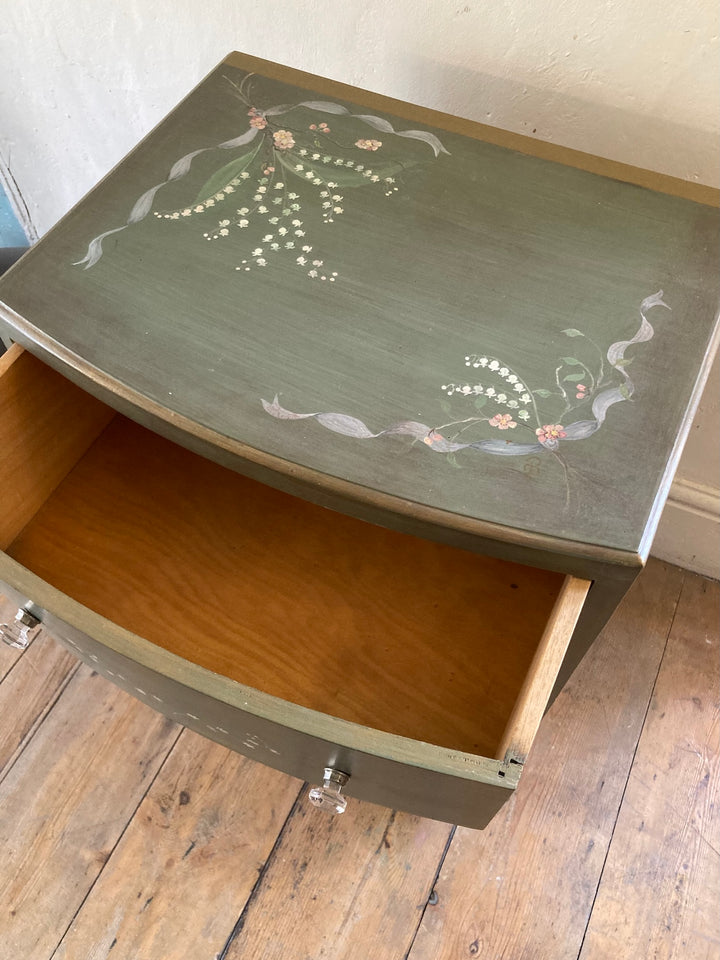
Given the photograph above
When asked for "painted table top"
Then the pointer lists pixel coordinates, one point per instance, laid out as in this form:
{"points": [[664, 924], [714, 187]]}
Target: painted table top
{"points": [[320, 276]]}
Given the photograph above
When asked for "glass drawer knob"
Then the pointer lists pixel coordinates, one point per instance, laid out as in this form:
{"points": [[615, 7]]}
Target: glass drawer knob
{"points": [[329, 796], [20, 632]]}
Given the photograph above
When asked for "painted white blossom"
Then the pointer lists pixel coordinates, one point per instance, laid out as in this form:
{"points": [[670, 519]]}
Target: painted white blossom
{"points": [[524, 415]]}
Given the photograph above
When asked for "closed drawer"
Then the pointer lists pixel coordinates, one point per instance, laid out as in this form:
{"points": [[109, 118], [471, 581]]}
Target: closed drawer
{"points": [[298, 636]]}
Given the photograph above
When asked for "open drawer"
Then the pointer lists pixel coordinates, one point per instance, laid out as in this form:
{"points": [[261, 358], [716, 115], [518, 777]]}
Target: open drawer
{"points": [[298, 636]]}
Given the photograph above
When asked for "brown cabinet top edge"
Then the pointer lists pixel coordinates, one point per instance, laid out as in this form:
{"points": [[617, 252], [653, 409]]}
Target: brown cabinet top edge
{"points": [[542, 149]]}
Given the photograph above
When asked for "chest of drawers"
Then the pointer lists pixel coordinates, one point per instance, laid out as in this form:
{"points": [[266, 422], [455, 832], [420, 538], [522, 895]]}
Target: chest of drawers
{"points": [[335, 430]]}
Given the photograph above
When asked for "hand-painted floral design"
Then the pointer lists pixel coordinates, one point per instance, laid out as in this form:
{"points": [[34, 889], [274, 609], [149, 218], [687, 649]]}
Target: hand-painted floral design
{"points": [[551, 431], [503, 421], [546, 412], [283, 139], [289, 173]]}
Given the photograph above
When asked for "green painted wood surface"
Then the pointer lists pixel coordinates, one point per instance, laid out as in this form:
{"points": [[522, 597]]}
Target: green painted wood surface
{"points": [[528, 266]]}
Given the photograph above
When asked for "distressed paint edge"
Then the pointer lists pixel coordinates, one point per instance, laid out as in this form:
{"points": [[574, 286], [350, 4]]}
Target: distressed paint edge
{"points": [[530, 146], [665, 486]]}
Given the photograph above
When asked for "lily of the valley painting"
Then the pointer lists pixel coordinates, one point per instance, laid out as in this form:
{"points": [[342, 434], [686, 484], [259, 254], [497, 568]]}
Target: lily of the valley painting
{"points": [[293, 170], [573, 407]]}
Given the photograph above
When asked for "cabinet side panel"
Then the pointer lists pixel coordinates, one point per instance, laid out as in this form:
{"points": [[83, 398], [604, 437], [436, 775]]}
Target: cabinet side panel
{"points": [[46, 424]]}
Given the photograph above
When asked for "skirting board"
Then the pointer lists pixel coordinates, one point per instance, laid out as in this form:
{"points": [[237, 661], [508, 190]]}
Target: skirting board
{"points": [[689, 531]]}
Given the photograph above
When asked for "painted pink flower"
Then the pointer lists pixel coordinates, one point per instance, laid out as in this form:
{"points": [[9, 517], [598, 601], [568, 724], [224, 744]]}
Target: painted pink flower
{"points": [[258, 122], [283, 140], [432, 438], [551, 431], [581, 391], [368, 144], [268, 170], [503, 421]]}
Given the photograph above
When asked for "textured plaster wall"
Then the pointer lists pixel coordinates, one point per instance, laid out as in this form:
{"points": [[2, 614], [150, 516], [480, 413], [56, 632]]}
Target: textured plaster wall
{"points": [[82, 80]]}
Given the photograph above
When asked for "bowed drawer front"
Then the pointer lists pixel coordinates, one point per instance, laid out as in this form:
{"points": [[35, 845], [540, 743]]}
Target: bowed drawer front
{"points": [[296, 635]]}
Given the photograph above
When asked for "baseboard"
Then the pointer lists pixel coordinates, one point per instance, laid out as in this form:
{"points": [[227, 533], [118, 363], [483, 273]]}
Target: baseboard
{"points": [[689, 531]]}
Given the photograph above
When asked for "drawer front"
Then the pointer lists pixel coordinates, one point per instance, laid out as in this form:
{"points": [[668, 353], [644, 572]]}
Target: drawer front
{"points": [[392, 771]]}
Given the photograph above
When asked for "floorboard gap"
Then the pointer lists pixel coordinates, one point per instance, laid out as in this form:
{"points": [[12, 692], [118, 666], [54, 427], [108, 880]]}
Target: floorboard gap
{"points": [[240, 922], [117, 842], [427, 903], [630, 768]]}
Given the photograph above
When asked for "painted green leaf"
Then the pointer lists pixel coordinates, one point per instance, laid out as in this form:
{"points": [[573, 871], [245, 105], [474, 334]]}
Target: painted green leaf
{"points": [[542, 393], [624, 392], [571, 361], [450, 457], [624, 362], [479, 402], [222, 177], [574, 377], [572, 332]]}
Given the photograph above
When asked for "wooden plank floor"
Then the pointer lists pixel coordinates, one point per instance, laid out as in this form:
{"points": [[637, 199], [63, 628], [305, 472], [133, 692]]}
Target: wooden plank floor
{"points": [[124, 836]]}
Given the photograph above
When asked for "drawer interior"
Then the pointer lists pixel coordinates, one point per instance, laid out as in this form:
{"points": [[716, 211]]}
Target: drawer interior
{"points": [[367, 624]]}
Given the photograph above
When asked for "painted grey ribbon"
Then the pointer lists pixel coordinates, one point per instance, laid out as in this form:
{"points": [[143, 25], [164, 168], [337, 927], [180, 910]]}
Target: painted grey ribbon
{"points": [[143, 205], [352, 427]]}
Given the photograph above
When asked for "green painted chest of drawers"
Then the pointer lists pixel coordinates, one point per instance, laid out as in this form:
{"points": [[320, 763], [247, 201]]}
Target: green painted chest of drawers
{"points": [[336, 428]]}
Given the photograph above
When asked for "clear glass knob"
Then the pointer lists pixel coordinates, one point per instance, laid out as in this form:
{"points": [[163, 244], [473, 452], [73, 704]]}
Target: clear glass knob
{"points": [[329, 796], [20, 632]]}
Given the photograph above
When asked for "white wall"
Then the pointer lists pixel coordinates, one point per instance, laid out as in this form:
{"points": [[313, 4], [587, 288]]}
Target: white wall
{"points": [[82, 80]]}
